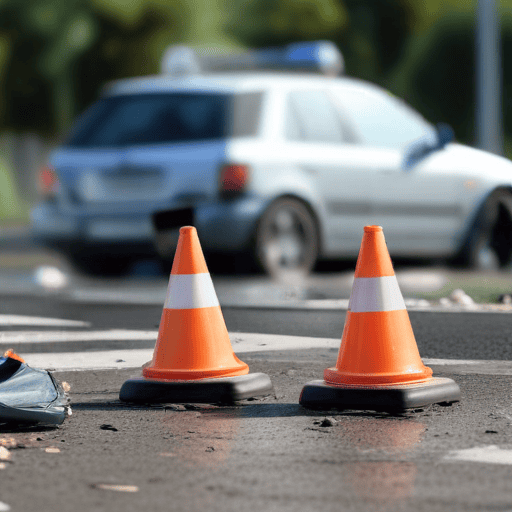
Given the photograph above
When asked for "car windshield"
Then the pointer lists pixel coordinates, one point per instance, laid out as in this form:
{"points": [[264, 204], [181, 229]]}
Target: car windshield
{"points": [[162, 118]]}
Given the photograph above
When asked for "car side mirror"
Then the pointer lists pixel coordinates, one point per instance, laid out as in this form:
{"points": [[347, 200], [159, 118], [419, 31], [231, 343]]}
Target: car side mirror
{"points": [[416, 151], [445, 134], [421, 148]]}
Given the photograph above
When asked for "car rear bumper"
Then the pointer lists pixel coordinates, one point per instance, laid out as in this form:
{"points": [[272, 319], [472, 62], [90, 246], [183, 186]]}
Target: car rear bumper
{"points": [[226, 225], [61, 229]]}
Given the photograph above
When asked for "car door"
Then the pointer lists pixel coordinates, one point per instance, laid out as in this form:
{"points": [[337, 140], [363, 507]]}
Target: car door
{"points": [[319, 142], [417, 205]]}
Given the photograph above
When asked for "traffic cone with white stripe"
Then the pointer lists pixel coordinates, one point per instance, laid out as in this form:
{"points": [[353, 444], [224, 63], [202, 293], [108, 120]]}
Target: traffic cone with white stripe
{"points": [[379, 366], [193, 360]]}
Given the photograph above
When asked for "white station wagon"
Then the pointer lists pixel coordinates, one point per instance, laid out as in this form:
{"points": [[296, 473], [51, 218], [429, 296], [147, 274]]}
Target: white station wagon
{"points": [[286, 167]]}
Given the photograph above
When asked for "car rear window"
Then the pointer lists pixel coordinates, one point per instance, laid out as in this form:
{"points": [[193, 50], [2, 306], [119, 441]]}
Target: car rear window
{"points": [[160, 118]]}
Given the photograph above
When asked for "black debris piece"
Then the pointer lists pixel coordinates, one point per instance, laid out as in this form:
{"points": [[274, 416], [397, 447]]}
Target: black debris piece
{"points": [[106, 426]]}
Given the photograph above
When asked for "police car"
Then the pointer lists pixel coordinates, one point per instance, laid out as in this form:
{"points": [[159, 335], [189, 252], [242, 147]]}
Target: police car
{"points": [[271, 161]]}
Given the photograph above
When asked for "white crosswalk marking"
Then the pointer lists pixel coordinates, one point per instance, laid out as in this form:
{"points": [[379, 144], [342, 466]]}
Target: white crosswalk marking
{"points": [[11, 320], [490, 454], [97, 360], [72, 336], [242, 343]]}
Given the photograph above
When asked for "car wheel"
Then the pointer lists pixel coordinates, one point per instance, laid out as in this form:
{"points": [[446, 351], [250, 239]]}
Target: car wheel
{"points": [[489, 245], [287, 239]]}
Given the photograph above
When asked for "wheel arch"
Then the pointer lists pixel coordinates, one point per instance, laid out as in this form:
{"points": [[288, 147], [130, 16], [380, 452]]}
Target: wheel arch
{"points": [[477, 219]]}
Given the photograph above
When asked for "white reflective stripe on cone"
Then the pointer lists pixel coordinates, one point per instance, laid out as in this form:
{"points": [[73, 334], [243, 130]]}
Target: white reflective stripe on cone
{"points": [[190, 291], [375, 294]]}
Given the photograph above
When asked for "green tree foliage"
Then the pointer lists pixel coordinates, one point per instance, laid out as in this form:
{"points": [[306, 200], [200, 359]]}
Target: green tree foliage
{"points": [[11, 205], [260, 23], [371, 34], [440, 73], [506, 50], [54, 54], [376, 37]]}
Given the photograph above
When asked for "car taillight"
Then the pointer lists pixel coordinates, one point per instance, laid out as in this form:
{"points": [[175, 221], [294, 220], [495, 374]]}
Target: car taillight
{"points": [[233, 178], [48, 181]]}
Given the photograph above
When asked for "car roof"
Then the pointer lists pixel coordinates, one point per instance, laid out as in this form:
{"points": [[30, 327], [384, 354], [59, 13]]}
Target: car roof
{"points": [[229, 83]]}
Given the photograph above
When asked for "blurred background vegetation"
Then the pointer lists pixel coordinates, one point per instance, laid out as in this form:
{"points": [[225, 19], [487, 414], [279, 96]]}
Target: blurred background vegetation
{"points": [[56, 54]]}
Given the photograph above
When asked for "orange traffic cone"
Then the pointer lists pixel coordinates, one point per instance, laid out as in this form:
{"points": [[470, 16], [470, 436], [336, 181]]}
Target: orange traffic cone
{"points": [[193, 360], [379, 366]]}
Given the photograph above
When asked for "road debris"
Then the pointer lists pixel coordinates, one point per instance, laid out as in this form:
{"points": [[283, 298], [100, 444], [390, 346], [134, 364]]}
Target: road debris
{"points": [[417, 303], [52, 449], [51, 278], [106, 426], [329, 421], [30, 395], [8, 442], [460, 297], [506, 298], [5, 454], [116, 487], [20, 441]]}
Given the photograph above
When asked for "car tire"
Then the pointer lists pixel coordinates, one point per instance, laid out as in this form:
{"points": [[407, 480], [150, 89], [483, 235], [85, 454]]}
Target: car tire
{"points": [[489, 244], [287, 240]]}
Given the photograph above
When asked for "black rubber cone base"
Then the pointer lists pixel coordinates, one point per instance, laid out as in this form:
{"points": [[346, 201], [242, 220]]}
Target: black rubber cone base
{"points": [[318, 394], [207, 391]]}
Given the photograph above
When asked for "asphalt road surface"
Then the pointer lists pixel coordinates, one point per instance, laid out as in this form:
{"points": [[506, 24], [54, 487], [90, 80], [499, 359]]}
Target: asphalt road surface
{"points": [[462, 335], [268, 454]]}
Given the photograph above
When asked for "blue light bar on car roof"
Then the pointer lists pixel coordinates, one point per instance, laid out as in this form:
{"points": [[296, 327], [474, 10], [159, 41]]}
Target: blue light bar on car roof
{"points": [[316, 56]]}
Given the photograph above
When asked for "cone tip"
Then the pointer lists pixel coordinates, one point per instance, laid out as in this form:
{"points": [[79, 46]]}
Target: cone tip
{"points": [[187, 230], [188, 258], [373, 259]]}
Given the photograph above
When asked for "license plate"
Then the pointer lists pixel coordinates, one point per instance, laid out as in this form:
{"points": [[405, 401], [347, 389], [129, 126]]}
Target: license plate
{"points": [[110, 230]]}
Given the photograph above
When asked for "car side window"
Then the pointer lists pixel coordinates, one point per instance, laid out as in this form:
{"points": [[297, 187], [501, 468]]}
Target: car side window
{"points": [[383, 120], [311, 117], [246, 114]]}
